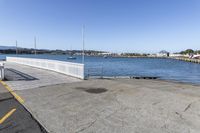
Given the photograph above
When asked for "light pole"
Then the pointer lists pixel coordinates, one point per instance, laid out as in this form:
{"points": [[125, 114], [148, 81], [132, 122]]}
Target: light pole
{"points": [[16, 48], [83, 39], [35, 45]]}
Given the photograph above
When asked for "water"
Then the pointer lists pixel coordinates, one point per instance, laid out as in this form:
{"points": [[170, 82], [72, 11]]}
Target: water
{"points": [[167, 69]]}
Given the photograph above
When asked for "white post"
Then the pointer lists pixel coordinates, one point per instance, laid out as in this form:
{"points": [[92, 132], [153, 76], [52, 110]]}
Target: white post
{"points": [[83, 39], [16, 48], [35, 45], [2, 70]]}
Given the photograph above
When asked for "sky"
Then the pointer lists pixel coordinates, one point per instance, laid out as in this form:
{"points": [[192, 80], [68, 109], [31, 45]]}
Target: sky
{"points": [[143, 26]]}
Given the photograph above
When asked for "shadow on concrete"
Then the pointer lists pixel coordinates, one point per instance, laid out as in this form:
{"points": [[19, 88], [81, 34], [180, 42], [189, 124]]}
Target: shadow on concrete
{"points": [[15, 75]]}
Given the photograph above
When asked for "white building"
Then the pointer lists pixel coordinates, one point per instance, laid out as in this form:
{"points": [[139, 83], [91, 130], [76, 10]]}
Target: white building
{"points": [[162, 53]]}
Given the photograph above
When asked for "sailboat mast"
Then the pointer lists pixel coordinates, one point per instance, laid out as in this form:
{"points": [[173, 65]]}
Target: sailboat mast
{"points": [[35, 45], [16, 48], [83, 39]]}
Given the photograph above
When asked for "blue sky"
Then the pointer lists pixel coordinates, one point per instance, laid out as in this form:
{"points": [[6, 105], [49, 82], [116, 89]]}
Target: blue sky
{"points": [[112, 25]]}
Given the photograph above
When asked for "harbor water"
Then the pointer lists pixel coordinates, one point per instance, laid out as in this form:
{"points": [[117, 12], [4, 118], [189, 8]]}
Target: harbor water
{"points": [[166, 69]]}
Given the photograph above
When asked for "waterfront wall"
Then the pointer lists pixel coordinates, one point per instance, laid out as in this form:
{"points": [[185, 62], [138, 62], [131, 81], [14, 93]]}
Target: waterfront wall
{"points": [[189, 60], [68, 68]]}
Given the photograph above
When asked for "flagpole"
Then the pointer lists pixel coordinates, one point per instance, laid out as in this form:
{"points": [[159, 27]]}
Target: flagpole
{"points": [[83, 39], [16, 48], [35, 45]]}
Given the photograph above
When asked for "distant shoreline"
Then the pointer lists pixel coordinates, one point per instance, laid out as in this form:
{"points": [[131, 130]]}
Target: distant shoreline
{"points": [[181, 58]]}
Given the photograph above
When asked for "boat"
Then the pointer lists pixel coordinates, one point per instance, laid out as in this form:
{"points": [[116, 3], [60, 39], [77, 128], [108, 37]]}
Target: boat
{"points": [[105, 56], [71, 58]]}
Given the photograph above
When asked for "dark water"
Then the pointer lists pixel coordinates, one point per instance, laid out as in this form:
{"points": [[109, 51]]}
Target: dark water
{"points": [[167, 69]]}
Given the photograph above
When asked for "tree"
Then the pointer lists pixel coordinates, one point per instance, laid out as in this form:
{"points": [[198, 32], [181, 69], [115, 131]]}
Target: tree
{"points": [[188, 51]]}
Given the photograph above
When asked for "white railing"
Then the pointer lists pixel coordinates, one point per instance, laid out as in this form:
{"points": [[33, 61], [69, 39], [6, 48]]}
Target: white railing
{"points": [[68, 68]]}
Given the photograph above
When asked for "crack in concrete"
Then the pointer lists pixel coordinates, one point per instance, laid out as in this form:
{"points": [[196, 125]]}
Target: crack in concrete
{"points": [[155, 103], [188, 106], [180, 115], [90, 124]]}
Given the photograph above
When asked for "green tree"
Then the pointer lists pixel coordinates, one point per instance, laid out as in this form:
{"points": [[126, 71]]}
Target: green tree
{"points": [[188, 51]]}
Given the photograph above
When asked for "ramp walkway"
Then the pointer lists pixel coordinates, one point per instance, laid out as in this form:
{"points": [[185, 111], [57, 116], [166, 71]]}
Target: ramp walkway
{"points": [[20, 77]]}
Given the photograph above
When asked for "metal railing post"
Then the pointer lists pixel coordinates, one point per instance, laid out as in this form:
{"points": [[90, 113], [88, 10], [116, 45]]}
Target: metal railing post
{"points": [[102, 72], [2, 71]]}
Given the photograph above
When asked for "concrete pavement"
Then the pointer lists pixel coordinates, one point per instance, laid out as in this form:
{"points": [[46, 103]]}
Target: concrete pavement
{"points": [[67, 105], [117, 106], [14, 118]]}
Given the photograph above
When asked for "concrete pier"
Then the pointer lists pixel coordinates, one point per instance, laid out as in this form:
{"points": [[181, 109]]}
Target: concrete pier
{"points": [[68, 68], [20, 77]]}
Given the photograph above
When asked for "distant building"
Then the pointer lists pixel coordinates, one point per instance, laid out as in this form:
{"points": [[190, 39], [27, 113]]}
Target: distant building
{"points": [[152, 55], [163, 53], [105, 54], [175, 55]]}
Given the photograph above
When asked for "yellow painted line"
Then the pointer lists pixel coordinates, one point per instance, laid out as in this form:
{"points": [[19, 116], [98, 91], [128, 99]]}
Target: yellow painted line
{"points": [[7, 115], [12, 92]]}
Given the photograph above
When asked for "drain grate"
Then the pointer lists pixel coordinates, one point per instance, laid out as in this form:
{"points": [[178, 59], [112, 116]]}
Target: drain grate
{"points": [[92, 90], [136, 77]]}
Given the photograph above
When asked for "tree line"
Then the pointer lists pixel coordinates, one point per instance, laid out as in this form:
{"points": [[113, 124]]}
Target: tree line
{"points": [[190, 51]]}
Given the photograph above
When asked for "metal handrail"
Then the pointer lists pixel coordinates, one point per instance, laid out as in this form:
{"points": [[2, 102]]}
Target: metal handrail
{"points": [[95, 71]]}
